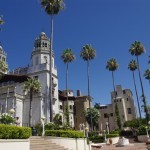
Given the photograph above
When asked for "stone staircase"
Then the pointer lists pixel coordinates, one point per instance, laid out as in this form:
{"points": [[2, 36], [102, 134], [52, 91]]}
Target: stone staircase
{"points": [[40, 143]]}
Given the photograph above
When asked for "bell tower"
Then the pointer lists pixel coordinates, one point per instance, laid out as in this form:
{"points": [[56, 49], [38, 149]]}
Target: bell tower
{"points": [[40, 70], [41, 51]]}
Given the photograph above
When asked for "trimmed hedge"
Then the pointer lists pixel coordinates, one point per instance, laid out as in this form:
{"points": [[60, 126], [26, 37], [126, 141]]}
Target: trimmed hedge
{"points": [[97, 139], [14, 132], [112, 135], [62, 133]]}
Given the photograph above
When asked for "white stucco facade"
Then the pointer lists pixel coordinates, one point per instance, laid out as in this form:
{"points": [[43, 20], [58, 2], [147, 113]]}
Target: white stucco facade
{"points": [[12, 94]]}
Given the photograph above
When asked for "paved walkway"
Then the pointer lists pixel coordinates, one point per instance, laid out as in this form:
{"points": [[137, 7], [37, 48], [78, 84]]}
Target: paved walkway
{"points": [[137, 146]]}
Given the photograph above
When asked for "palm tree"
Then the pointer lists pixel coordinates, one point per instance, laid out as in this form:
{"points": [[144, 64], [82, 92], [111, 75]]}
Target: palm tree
{"points": [[138, 49], [67, 57], [112, 66], [147, 75], [88, 53], [132, 67], [32, 86], [52, 7]]}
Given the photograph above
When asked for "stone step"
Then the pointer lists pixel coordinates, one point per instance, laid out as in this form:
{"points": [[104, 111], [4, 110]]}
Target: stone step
{"points": [[40, 143]]}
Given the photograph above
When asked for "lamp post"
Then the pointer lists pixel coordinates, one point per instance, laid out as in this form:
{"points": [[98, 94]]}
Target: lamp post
{"points": [[105, 136], [12, 111], [107, 127], [147, 132], [86, 131], [43, 125]]}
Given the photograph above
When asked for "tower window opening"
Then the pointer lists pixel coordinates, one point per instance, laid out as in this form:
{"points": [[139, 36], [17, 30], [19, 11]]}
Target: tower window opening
{"points": [[3, 59]]}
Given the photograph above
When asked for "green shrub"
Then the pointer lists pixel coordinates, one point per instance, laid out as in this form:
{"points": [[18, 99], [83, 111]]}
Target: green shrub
{"points": [[14, 132], [93, 133], [112, 135], [62, 133], [114, 132], [97, 139], [39, 129], [142, 130]]}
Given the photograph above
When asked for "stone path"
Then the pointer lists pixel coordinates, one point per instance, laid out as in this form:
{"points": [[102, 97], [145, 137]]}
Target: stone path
{"points": [[137, 146]]}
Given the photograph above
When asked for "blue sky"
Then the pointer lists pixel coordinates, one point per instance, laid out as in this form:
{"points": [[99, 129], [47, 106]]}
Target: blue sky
{"points": [[110, 26]]}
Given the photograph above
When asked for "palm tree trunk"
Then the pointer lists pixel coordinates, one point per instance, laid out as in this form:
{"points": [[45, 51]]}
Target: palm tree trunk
{"points": [[114, 84], [136, 94], [89, 97], [67, 83], [143, 95], [30, 107], [88, 76], [117, 113], [50, 76], [67, 113]]}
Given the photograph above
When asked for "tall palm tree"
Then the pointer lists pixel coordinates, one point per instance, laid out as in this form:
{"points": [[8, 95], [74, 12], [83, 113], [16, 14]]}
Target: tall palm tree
{"points": [[147, 75], [88, 53], [112, 66], [32, 86], [132, 66], [138, 49], [67, 57], [52, 7]]}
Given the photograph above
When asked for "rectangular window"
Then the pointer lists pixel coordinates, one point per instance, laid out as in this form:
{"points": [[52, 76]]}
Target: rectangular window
{"points": [[111, 114], [127, 99], [60, 107], [70, 107], [129, 111], [124, 92], [105, 116]]}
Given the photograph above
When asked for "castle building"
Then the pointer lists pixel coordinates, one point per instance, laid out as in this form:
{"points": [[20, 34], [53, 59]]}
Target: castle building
{"points": [[40, 70], [127, 110], [13, 96]]}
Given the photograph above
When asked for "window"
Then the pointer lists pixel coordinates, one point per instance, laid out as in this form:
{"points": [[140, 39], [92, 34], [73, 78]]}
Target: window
{"points": [[120, 100], [60, 107], [70, 107], [111, 114], [114, 101], [3, 59], [105, 116], [129, 111], [124, 92], [127, 99], [116, 93]]}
